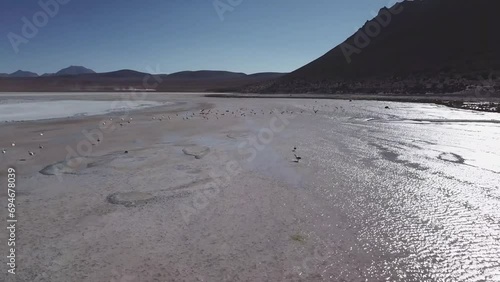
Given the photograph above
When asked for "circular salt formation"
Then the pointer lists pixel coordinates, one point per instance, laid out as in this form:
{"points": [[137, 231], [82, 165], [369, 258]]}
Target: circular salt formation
{"points": [[237, 135], [196, 151], [70, 166], [451, 157], [129, 199]]}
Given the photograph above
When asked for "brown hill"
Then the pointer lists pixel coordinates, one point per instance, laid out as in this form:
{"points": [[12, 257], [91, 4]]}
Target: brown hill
{"points": [[126, 80]]}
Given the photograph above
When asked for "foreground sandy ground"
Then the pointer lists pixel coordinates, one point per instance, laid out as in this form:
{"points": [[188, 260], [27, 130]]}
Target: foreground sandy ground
{"points": [[211, 189]]}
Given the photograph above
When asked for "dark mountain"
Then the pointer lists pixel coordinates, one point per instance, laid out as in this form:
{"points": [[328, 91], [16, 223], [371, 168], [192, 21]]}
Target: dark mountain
{"points": [[74, 70], [412, 47], [21, 73]]}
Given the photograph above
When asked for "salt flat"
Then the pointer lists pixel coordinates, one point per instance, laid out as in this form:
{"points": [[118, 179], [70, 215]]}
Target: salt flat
{"points": [[26, 110], [216, 189]]}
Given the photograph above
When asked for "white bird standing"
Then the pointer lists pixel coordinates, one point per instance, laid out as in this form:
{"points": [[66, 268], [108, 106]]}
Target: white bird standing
{"points": [[13, 144], [3, 151], [31, 153], [41, 133]]}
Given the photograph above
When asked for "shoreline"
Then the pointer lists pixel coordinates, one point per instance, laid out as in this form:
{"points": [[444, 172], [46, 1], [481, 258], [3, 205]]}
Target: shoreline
{"points": [[490, 104], [458, 101]]}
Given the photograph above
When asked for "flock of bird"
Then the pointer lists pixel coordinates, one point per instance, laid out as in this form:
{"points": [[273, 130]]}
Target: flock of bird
{"points": [[206, 114], [31, 153]]}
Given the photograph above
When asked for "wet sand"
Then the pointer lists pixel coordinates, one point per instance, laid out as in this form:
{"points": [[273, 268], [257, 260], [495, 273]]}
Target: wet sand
{"points": [[211, 189]]}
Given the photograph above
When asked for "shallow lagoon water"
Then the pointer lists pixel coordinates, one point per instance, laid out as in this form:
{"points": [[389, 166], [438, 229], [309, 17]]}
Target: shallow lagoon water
{"points": [[28, 110]]}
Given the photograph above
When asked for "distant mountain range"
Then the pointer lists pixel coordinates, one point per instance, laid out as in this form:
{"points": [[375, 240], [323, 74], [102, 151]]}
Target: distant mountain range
{"points": [[77, 78], [413, 47], [71, 70], [421, 46]]}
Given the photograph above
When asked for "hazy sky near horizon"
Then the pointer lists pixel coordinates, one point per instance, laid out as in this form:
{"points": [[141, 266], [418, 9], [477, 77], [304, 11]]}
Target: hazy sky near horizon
{"points": [[166, 36]]}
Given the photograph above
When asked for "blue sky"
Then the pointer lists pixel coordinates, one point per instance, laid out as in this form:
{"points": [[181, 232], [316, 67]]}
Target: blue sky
{"points": [[173, 35]]}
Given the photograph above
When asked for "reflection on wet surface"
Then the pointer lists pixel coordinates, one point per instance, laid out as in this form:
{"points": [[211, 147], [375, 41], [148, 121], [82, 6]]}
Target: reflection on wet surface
{"points": [[405, 194], [423, 195], [409, 193]]}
